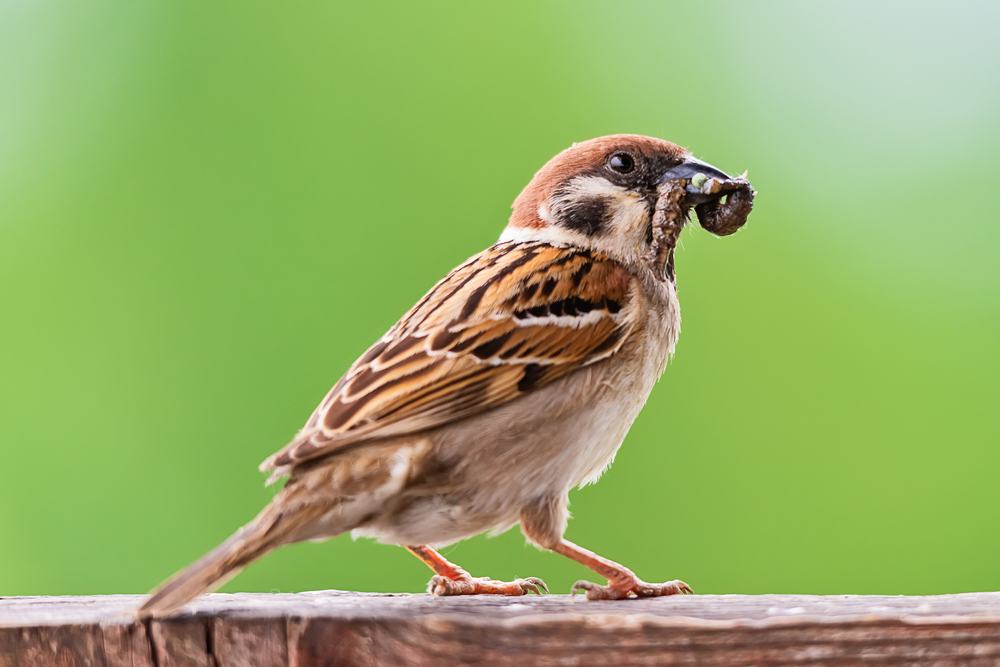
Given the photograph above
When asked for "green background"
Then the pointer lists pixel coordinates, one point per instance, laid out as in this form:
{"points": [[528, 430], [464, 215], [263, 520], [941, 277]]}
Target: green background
{"points": [[209, 210]]}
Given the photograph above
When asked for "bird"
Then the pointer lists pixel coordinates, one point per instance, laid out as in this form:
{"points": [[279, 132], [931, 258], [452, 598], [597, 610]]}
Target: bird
{"points": [[512, 381]]}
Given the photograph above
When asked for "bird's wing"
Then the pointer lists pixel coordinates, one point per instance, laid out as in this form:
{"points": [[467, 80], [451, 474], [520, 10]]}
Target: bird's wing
{"points": [[506, 322]]}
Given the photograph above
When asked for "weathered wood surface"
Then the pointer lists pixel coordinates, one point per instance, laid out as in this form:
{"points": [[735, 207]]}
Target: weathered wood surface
{"points": [[352, 629]]}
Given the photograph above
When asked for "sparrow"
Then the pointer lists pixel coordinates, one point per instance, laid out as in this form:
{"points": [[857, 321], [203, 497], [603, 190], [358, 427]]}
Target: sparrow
{"points": [[512, 381]]}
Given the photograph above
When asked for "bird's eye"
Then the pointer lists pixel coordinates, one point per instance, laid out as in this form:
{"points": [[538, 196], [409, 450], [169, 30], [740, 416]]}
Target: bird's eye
{"points": [[622, 163]]}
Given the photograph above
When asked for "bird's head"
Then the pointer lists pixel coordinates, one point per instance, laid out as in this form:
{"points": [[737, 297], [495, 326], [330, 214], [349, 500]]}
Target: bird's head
{"points": [[601, 195]]}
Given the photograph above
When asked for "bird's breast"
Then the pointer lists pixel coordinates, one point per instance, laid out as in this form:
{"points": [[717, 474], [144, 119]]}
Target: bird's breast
{"points": [[488, 467]]}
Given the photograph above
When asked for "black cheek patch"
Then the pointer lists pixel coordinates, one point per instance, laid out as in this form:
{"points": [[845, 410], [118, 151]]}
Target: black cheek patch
{"points": [[587, 216]]}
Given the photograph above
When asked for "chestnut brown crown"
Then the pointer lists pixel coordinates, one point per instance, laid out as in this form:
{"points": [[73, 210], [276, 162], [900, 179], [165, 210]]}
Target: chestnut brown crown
{"points": [[630, 163]]}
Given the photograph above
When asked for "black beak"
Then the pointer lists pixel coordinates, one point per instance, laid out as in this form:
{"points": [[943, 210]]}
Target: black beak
{"points": [[691, 168]]}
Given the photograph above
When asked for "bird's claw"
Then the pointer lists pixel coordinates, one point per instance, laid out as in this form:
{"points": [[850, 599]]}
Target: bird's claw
{"points": [[468, 585], [535, 585], [639, 587]]}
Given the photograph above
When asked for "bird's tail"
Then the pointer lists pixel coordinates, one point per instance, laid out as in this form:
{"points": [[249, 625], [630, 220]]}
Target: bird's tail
{"points": [[267, 532]]}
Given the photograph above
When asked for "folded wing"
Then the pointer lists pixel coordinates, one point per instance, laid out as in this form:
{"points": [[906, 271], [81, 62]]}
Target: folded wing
{"points": [[506, 322]]}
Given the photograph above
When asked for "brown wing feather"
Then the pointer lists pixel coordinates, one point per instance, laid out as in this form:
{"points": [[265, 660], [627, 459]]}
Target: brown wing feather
{"points": [[510, 320]]}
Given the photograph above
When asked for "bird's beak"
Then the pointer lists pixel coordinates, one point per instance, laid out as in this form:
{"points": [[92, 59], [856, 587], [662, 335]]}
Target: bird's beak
{"points": [[705, 182]]}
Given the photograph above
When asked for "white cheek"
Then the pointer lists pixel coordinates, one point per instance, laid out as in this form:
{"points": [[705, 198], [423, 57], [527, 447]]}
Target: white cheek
{"points": [[545, 213], [624, 236], [586, 187], [631, 217], [629, 211], [625, 239]]}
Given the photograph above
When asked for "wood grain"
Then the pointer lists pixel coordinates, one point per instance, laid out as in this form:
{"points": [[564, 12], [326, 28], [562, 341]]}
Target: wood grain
{"points": [[363, 630]]}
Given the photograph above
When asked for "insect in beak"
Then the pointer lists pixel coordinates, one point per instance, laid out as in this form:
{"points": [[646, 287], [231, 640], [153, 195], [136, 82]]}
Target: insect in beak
{"points": [[698, 184], [705, 187]]}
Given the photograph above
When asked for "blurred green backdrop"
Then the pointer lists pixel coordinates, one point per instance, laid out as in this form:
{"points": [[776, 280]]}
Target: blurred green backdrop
{"points": [[208, 210]]}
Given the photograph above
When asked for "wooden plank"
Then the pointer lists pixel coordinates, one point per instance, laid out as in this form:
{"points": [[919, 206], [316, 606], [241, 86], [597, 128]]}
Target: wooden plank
{"points": [[127, 646], [250, 641], [364, 630]]}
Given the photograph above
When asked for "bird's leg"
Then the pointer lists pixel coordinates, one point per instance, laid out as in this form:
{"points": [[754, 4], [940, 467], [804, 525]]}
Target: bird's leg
{"points": [[621, 580], [450, 579]]}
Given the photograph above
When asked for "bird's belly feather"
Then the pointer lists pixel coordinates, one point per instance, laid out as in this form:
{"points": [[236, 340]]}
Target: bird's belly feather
{"points": [[561, 436]]}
